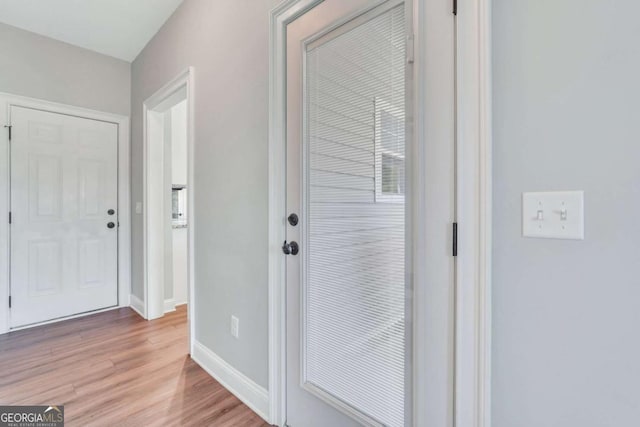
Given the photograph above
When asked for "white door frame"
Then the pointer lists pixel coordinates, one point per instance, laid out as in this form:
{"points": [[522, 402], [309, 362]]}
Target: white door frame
{"points": [[124, 211], [473, 175], [154, 222], [474, 205]]}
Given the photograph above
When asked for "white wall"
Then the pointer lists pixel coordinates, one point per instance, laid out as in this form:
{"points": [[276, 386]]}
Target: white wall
{"points": [[226, 41], [179, 174], [180, 265], [566, 116], [40, 67], [179, 143], [166, 186]]}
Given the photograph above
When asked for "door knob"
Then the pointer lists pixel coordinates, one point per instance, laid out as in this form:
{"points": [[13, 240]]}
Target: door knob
{"points": [[111, 211], [290, 248], [110, 225], [293, 219]]}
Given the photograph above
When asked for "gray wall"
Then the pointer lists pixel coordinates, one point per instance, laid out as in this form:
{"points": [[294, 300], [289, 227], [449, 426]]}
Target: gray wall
{"points": [[227, 43], [566, 116], [40, 67]]}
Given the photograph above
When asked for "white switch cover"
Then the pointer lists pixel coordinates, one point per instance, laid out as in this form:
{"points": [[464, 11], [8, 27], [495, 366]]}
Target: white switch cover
{"points": [[138, 207], [553, 215]]}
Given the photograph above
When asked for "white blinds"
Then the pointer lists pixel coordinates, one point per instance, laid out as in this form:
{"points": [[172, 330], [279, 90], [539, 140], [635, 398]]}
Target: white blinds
{"points": [[354, 281]]}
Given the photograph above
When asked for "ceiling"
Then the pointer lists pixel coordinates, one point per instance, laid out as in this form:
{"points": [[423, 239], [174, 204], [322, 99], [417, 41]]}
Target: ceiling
{"points": [[119, 28]]}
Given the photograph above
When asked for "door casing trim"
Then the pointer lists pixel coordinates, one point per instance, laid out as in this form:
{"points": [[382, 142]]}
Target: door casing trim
{"points": [[472, 357], [474, 210], [124, 212]]}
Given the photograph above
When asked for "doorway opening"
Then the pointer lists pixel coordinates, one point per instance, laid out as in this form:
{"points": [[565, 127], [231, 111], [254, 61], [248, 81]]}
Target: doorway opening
{"points": [[168, 195]]}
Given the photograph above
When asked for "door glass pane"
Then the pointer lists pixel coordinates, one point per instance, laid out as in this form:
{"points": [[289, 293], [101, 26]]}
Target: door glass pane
{"points": [[354, 265]]}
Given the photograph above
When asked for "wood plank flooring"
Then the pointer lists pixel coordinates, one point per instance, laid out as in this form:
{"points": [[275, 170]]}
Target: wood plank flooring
{"points": [[116, 369]]}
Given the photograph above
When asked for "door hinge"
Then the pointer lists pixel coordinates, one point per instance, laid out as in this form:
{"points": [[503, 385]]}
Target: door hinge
{"points": [[9, 217], [455, 239], [9, 128], [410, 49], [455, 7], [9, 301]]}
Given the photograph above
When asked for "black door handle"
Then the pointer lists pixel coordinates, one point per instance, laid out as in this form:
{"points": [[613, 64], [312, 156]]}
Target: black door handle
{"points": [[290, 248], [111, 211], [293, 219], [110, 225]]}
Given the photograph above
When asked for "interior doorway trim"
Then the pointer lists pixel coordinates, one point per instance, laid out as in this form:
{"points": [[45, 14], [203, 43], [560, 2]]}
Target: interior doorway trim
{"points": [[474, 193], [153, 223], [472, 382], [124, 211]]}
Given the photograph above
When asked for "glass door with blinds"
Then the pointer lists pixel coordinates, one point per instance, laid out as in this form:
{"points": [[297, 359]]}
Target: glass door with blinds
{"points": [[349, 236]]}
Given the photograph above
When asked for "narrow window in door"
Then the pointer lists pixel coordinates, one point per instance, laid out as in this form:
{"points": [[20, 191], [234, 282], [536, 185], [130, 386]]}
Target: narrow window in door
{"points": [[389, 148]]}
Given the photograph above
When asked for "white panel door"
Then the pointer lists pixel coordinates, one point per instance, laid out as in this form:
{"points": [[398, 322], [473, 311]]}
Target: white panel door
{"points": [[64, 227], [359, 182]]}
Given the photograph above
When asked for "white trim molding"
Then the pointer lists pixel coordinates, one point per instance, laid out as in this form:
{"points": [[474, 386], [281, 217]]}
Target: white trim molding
{"points": [[474, 201], [124, 188], [281, 16], [161, 99], [169, 305], [241, 386]]}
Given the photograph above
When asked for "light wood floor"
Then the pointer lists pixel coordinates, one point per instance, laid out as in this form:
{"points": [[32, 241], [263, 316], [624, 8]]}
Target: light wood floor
{"points": [[116, 369]]}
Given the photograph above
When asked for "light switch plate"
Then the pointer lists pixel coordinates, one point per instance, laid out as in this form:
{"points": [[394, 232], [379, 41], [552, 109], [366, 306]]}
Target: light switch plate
{"points": [[235, 327], [553, 215]]}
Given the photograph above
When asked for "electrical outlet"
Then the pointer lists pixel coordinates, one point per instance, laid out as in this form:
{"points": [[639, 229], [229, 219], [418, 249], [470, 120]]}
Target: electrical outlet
{"points": [[235, 326]]}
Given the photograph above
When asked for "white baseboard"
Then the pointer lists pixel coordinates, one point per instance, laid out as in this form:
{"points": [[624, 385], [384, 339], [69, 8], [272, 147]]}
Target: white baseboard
{"points": [[250, 393], [125, 300], [169, 305], [137, 305]]}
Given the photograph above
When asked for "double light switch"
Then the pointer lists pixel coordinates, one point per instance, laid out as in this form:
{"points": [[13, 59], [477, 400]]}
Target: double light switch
{"points": [[553, 215]]}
